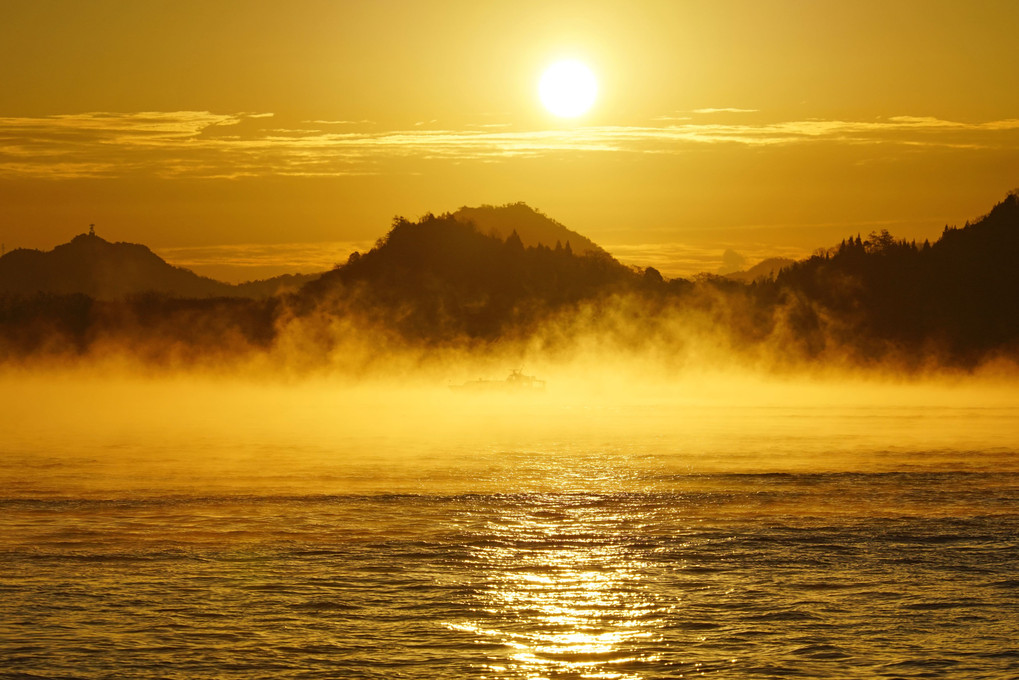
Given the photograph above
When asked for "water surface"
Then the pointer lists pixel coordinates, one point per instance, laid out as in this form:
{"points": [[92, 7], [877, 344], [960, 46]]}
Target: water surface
{"points": [[298, 537]]}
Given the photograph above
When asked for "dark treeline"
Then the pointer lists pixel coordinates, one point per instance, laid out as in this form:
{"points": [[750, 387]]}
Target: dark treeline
{"points": [[956, 299], [439, 282], [151, 328]]}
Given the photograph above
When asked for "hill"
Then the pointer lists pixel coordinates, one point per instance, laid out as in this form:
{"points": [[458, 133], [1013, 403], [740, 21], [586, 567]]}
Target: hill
{"points": [[92, 266], [100, 269], [284, 284], [533, 227], [442, 277], [765, 269]]}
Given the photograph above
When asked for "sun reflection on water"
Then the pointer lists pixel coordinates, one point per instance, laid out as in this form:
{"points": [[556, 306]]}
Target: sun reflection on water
{"points": [[562, 589]]}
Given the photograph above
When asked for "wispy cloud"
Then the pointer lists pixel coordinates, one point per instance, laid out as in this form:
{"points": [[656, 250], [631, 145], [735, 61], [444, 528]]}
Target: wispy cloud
{"points": [[200, 144], [725, 109], [337, 122]]}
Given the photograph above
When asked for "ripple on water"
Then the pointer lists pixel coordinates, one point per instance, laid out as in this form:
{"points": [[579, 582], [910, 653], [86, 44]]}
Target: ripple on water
{"points": [[613, 585]]}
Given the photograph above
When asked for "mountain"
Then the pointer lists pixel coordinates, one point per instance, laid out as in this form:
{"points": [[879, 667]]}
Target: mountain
{"points": [[765, 269], [92, 266], [533, 227], [445, 277], [283, 284], [102, 270]]}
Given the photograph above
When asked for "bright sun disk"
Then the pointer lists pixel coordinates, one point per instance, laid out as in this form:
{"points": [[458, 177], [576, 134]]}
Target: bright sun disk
{"points": [[568, 88]]}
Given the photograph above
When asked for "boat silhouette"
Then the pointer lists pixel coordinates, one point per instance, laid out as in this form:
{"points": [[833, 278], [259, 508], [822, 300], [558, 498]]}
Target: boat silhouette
{"points": [[516, 381]]}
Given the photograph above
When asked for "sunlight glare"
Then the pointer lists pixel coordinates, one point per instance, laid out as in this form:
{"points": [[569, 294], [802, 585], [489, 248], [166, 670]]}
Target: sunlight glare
{"points": [[561, 601], [568, 88]]}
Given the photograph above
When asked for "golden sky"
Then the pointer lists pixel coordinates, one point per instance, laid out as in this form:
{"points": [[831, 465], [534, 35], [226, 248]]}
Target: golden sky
{"points": [[267, 135]]}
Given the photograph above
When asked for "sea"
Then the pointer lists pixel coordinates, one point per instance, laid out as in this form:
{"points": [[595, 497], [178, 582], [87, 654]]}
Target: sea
{"points": [[181, 530]]}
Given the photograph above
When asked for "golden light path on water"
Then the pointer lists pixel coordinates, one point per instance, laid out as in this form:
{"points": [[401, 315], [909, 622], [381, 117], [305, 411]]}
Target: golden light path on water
{"points": [[748, 530], [564, 591]]}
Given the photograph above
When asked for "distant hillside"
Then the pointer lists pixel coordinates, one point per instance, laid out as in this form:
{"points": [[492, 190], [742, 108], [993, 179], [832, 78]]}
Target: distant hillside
{"points": [[766, 269], [102, 270], [278, 285], [92, 266], [531, 226]]}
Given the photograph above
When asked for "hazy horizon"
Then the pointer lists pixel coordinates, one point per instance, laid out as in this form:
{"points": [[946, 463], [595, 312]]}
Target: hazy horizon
{"points": [[242, 262]]}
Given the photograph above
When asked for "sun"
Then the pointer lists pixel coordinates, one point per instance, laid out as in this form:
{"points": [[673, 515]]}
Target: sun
{"points": [[568, 88]]}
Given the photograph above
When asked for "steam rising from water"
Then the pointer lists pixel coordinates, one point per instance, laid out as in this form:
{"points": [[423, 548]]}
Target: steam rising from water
{"points": [[69, 433], [618, 525]]}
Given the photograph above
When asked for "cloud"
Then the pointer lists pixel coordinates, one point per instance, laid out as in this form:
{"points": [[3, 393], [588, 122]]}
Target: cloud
{"points": [[102, 144], [685, 260], [337, 122], [291, 257], [200, 144], [725, 109]]}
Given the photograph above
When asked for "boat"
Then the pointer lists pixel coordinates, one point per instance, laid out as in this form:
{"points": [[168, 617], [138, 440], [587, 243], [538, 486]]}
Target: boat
{"points": [[515, 382]]}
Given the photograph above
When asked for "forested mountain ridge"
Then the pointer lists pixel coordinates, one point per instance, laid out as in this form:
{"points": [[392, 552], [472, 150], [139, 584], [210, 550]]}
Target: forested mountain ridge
{"points": [[959, 294], [532, 226], [442, 282], [442, 277]]}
